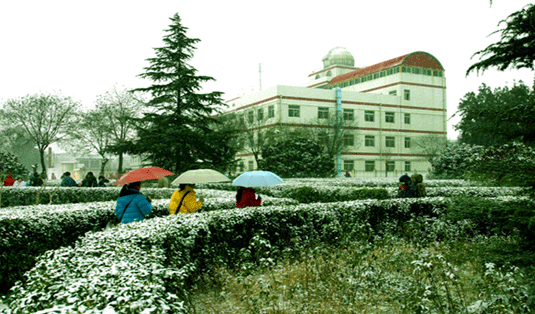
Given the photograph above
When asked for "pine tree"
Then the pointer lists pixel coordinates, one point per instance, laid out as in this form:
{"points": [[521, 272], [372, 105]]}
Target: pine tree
{"points": [[175, 131], [516, 48]]}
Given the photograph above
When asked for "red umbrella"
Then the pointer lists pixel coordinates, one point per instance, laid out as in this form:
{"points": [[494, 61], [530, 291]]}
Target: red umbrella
{"points": [[142, 174]]}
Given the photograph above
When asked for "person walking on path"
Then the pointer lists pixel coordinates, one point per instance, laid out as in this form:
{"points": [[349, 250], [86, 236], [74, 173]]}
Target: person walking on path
{"points": [[246, 197], [131, 204], [9, 181], [184, 200], [67, 181]]}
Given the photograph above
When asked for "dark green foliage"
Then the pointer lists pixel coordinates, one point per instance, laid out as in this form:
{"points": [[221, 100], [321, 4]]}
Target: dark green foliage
{"points": [[516, 47], [9, 164], [499, 116], [312, 195], [176, 133], [493, 217], [297, 158], [454, 161], [510, 165]]}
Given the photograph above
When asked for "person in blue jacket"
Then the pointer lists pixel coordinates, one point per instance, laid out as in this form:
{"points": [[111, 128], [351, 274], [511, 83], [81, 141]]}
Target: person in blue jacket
{"points": [[131, 204]]}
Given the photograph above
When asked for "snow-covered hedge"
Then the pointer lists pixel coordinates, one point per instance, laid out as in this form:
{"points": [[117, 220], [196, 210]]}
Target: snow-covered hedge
{"points": [[27, 231], [147, 267], [20, 196]]}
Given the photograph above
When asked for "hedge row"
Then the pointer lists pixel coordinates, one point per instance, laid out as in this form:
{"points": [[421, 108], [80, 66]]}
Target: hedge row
{"points": [[21, 196], [332, 193], [28, 231], [149, 266]]}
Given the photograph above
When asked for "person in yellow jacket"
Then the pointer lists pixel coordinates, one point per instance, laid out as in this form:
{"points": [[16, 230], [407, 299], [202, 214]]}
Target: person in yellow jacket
{"points": [[186, 195]]}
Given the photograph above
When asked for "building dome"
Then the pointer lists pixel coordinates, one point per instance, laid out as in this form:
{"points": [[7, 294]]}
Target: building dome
{"points": [[338, 56]]}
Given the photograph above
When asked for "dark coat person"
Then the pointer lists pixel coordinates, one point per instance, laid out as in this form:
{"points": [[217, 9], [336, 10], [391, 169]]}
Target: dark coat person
{"points": [[67, 181], [90, 180], [102, 181], [36, 180]]}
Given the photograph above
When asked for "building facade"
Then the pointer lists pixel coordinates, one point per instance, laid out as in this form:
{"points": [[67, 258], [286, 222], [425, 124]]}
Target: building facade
{"points": [[390, 105]]}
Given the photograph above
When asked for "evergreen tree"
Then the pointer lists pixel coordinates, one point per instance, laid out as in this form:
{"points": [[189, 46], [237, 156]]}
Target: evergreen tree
{"points": [[297, 157], [516, 47], [174, 133], [497, 117]]}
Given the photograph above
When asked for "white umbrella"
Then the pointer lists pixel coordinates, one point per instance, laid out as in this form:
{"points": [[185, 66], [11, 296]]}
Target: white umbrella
{"points": [[257, 178], [200, 176]]}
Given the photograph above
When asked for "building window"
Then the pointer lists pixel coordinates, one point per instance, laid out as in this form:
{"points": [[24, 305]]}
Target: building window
{"points": [[415, 70], [389, 117], [251, 164], [348, 139], [317, 76], [406, 69], [393, 93], [271, 111], [328, 73], [349, 165], [375, 76], [407, 142], [407, 118], [382, 74], [241, 166], [250, 116], [369, 116], [437, 73], [390, 141], [407, 94], [323, 113], [369, 165], [293, 111], [390, 166], [408, 166], [369, 141], [349, 114], [260, 114]]}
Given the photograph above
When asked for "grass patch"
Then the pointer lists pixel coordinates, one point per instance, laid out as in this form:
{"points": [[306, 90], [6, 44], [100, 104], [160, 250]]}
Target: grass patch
{"points": [[389, 276]]}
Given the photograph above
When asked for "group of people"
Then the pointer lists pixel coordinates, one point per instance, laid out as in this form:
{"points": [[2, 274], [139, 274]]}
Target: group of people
{"points": [[66, 180], [35, 180], [411, 186], [134, 206], [89, 181]]}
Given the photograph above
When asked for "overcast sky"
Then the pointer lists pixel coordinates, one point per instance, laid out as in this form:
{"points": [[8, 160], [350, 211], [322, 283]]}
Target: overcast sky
{"points": [[83, 48]]}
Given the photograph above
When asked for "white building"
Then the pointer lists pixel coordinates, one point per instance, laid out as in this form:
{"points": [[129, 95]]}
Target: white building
{"points": [[392, 103]]}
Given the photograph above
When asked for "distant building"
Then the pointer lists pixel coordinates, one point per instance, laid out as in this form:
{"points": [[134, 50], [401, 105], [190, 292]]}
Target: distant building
{"points": [[392, 103]]}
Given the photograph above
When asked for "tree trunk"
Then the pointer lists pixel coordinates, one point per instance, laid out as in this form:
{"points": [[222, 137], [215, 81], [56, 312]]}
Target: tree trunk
{"points": [[120, 166], [103, 165], [42, 155]]}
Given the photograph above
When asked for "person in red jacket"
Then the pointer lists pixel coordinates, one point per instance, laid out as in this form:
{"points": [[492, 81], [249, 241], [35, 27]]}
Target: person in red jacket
{"points": [[246, 197], [9, 181]]}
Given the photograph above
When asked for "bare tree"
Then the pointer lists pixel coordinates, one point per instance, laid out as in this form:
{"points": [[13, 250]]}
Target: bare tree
{"points": [[45, 117], [430, 145], [91, 133], [120, 108]]}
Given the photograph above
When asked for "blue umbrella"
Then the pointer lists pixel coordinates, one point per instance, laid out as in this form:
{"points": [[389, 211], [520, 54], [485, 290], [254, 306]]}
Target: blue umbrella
{"points": [[257, 178]]}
